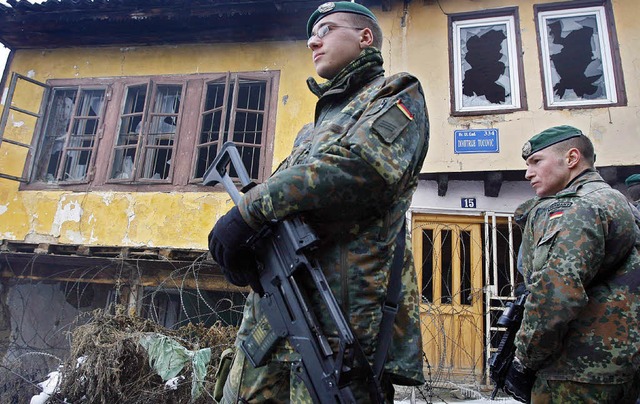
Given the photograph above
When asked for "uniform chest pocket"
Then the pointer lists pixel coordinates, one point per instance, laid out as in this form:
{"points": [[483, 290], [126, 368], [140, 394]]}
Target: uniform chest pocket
{"points": [[326, 137], [542, 251]]}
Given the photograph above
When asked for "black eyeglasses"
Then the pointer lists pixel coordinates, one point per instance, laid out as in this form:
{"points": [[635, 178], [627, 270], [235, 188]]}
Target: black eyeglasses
{"points": [[325, 29]]}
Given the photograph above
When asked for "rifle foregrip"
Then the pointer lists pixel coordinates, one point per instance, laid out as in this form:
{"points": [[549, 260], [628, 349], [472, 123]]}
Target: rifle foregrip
{"points": [[500, 362]]}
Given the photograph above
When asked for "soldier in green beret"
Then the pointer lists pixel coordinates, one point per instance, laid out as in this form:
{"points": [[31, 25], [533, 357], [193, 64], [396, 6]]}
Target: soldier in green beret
{"points": [[633, 188], [351, 173], [580, 336]]}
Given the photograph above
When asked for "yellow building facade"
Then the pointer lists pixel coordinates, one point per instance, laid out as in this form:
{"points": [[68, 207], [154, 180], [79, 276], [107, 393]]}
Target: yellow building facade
{"points": [[417, 41]]}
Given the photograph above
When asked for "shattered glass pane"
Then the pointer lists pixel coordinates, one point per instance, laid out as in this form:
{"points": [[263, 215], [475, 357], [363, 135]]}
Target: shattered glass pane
{"points": [[576, 59], [486, 72], [63, 103]]}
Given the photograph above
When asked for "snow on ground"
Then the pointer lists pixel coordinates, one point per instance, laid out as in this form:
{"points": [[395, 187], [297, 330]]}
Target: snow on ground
{"points": [[409, 395], [469, 401], [48, 388], [459, 395], [420, 400]]}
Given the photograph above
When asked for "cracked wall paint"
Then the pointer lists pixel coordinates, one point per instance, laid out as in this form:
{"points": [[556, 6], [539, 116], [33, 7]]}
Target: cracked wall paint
{"points": [[107, 198], [74, 236], [66, 212], [91, 221]]}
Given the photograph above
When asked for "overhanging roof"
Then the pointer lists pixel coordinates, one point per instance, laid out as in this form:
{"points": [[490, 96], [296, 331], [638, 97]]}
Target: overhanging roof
{"points": [[64, 23]]}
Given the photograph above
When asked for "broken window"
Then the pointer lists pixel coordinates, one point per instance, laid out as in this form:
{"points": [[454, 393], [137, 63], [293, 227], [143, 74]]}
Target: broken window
{"points": [[486, 66], [579, 63], [174, 308], [234, 111], [146, 139], [70, 134], [160, 130]]}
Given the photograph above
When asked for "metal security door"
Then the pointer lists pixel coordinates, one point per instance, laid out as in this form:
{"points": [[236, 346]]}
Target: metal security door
{"points": [[448, 253]]}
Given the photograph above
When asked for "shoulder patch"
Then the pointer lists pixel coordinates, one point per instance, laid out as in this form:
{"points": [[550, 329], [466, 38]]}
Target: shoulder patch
{"points": [[392, 121], [556, 209], [559, 205]]}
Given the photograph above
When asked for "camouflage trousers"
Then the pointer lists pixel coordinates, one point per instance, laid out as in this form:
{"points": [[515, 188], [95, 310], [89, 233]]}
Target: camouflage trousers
{"points": [[275, 383], [566, 391]]}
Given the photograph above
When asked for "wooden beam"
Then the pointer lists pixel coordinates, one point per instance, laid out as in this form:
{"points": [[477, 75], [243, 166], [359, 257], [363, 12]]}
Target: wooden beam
{"points": [[493, 183], [38, 266], [443, 184]]}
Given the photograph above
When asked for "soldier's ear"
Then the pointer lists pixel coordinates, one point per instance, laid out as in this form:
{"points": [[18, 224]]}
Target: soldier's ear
{"points": [[366, 38], [573, 157]]}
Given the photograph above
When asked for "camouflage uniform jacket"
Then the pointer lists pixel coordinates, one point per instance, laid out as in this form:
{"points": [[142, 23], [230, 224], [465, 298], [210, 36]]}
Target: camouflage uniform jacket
{"points": [[582, 266], [352, 174]]}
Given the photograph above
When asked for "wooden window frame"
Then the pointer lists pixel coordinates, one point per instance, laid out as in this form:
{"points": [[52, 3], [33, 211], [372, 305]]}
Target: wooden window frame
{"points": [[509, 18], [607, 45], [227, 124], [142, 147], [182, 169]]}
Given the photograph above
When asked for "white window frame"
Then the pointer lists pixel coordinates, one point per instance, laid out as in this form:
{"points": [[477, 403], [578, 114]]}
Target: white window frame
{"points": [[604, 48], [508, 21]]}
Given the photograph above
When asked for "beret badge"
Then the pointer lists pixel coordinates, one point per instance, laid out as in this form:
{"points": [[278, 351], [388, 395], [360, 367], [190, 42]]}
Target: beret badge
{"points": [[526, 149], [326, 7]]}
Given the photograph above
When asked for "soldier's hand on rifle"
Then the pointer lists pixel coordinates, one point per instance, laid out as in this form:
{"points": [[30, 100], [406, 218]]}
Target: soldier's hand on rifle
{"points": [[228, 243], [519, 381]]}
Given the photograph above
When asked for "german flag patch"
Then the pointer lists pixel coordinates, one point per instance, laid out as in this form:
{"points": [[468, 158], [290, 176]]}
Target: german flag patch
{"points": [[404, 109], [555, 215], [556, 209]]}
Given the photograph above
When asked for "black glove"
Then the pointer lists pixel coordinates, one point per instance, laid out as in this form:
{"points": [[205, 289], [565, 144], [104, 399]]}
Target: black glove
{"points": [[228, 243], [519, 381]]}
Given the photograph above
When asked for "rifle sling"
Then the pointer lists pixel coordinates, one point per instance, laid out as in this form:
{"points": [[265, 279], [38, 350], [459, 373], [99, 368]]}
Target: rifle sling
{"points": [[390, 306]]}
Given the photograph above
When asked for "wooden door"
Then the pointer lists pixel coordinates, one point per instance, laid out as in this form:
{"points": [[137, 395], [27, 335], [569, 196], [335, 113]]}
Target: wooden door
{"points": [[448, 254]]}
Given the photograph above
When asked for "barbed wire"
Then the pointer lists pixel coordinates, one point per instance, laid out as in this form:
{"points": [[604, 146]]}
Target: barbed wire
{"points": [[42, 312]]}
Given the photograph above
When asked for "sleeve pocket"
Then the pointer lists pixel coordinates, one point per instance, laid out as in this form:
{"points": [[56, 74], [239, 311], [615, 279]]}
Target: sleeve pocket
{"points": [[391, 122]]}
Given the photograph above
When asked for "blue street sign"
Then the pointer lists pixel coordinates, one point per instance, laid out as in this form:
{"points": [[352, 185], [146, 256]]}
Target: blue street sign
{"points": [[476, 141]]}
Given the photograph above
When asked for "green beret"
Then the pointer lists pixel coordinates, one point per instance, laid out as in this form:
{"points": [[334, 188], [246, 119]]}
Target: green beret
{"points": [[632, 180], [337, 7], [548, 138]]}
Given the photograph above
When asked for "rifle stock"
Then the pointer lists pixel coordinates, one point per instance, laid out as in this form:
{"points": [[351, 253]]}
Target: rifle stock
{"points": [[281, 249], [500, 361]]}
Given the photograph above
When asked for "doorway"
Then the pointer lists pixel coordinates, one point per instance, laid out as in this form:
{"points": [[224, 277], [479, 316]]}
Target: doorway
{"points": [[466, 270]]}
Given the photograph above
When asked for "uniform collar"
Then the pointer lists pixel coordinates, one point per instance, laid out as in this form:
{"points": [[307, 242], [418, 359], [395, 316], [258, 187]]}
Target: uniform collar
{"points": [[362, 69], [587, 176]]}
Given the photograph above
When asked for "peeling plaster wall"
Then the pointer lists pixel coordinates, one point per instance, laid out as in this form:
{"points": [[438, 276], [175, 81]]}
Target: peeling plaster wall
{"points": [[416, 41], [179, 220], [153, 219]]}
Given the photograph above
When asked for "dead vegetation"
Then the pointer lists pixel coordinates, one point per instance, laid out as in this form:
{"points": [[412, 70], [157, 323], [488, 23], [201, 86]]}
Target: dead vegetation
{"points": [[108, 365]]}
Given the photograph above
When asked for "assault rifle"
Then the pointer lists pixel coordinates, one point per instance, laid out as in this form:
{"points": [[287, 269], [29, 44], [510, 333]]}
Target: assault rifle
{"points": [[500, 361], [281, 249]]}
